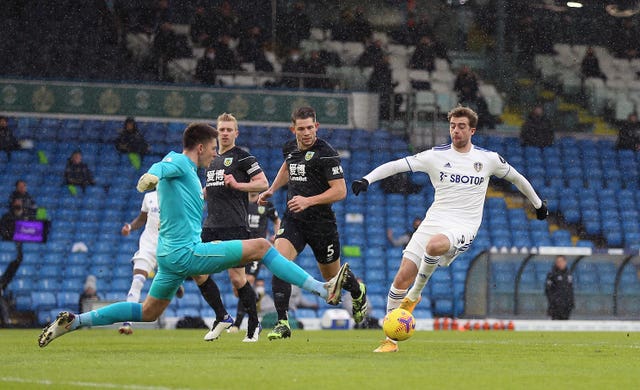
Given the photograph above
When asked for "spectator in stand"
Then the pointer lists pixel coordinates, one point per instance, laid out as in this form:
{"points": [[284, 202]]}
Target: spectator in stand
{"points": [[294, 27], [202, 25], [294, 64], [167, 44], [536, 130], [8, 220], [28, 204], [77, 173], [372, 54], [403, 239], [251, 44], [8, 141], [225, 57], [206, 68], [381, 82], [629, 133], [341, 30], [89, 294], [261, 62], [466, 84], [590, 66], [624, 40], [361, 29], [425, 54], [352, 27], [559, 290], [316, 66], [420, 29], [131, 140]]}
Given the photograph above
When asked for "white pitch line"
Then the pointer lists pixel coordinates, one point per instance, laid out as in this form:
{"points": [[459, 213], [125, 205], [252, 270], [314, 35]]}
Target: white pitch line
{"points": [[85, 384]]}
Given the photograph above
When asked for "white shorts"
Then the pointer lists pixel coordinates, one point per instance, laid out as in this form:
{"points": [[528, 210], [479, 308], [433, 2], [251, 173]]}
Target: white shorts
{"points": [[459, 238], [145, 260]]}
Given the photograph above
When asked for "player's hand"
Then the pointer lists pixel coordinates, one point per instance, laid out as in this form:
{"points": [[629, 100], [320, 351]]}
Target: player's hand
{"points": [[542, 212], [263, 198], [230, 181], [298, 203], [147, 182], [360, 185], [126, 229]]}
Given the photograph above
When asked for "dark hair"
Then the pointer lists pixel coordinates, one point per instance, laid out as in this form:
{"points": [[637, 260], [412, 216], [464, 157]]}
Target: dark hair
{"points": [[303, 112], [198, 133], [461, 111]]}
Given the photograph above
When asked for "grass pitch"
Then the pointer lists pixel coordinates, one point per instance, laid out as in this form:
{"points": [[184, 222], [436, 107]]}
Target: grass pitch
{"points": [[180, 359]]}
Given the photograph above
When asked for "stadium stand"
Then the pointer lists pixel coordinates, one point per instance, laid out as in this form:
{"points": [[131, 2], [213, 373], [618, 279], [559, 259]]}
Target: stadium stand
{"points": [[610, 214]]}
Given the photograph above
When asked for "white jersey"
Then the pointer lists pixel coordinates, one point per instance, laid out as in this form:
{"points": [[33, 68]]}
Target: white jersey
{"points": [[460, 181], [149, 236]]}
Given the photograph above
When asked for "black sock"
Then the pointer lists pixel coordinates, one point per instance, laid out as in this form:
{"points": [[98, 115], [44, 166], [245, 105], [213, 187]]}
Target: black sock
{"points": [[211, 293], [240, 313], [248, 300], [352, 285], [281, 295]]}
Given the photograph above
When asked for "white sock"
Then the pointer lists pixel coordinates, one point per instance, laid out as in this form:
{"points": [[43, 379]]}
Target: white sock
{"points": [[136, 286], [395, 297], [427, 266]]}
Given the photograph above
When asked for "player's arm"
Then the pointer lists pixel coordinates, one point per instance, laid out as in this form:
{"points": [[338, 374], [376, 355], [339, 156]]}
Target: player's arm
{"points": [[163, 169], [136, 224], [282, 178], [383, 171], [257, 183], [527, 190]]}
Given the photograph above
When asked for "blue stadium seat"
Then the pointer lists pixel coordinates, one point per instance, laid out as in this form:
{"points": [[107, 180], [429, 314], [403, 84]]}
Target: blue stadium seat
{"points": [[443, 307], [68, 300], [23, 301], [75, 271], [72, 284], [43, 300]]}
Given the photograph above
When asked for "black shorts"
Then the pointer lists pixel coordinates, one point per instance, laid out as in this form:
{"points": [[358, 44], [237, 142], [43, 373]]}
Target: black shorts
{"points": [[225, 234], [252, 268], [321, 237]]}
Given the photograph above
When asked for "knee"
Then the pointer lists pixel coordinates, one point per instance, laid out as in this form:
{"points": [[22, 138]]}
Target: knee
{"points": [[263, 245], [438, 245]]}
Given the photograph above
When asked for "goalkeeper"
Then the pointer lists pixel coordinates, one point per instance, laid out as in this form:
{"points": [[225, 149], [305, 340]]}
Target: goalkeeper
{"points": [[180, 251], [460, 174]]}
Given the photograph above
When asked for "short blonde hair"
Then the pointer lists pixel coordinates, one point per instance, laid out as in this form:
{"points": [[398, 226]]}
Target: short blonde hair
{"points": [[224, 117]]}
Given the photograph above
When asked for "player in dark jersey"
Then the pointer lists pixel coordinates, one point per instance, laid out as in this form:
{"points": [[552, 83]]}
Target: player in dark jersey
{"points": [[258, 217], [315, 181], [229, 177]]}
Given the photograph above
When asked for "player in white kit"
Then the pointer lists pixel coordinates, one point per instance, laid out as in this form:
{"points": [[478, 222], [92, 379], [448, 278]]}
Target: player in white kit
{"points": [[144, 260], [460, 174]]}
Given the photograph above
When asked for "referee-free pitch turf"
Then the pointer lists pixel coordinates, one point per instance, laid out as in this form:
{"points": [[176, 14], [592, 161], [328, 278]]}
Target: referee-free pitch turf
{"points": [[332, 359]]}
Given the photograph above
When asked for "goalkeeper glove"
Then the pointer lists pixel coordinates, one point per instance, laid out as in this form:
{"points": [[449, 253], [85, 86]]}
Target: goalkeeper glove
{"points": [[542, 212], [360, 185], [147, 182]]}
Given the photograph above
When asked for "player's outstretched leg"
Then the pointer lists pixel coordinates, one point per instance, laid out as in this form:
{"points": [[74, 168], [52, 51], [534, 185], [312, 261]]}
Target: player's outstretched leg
{"points": [[66, 322], [61, 325]]}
